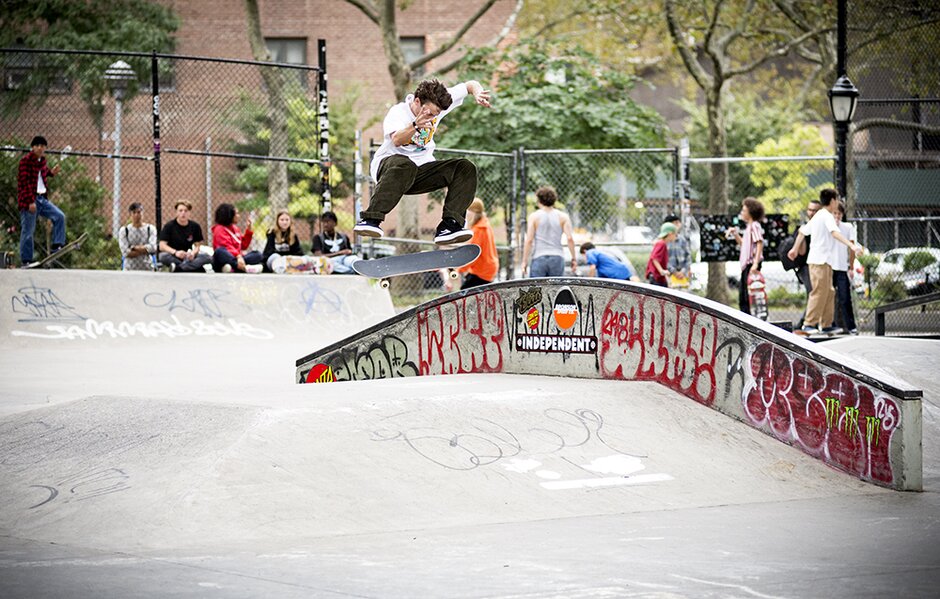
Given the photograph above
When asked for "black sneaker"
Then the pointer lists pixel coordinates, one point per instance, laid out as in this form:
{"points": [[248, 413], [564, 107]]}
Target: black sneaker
{"points": [[369, 227], [450, 231]]}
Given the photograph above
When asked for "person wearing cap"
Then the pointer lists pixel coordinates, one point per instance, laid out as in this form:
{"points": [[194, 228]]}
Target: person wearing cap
{"points": [[138, 241], [656, 271], [32, 197], [680, 252], [485, 268]]}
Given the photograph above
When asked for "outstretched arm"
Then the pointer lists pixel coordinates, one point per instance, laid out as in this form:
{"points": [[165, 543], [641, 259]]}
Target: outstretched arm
{"points": [[482, 96]]}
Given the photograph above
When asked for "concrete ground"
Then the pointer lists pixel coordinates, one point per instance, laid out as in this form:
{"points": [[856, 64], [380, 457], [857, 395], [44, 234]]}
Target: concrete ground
{"points": [[195, 467]]}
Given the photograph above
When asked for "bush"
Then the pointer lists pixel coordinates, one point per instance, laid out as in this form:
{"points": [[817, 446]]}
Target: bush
{"points": [[780, 297], [888, 289], [918, 260]]}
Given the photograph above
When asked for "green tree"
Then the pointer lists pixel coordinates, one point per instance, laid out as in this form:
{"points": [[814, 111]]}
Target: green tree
{"points": [[253, 119], [548, 99], [786, 186], [117, 25]]}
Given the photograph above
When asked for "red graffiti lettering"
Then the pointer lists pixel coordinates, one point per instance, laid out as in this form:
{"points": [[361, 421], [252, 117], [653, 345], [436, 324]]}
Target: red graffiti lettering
{"points": [[467, 335]]}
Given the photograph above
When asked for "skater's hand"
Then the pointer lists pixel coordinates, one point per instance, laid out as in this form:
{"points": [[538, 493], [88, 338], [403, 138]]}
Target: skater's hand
{"points": [[483, 98], [859, 250], [792, 253], [55, 169], [32, 208]]}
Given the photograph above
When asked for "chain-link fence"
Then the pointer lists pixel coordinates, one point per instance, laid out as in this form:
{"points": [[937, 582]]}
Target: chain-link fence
{"points": [[157, 129], [894, 161]]}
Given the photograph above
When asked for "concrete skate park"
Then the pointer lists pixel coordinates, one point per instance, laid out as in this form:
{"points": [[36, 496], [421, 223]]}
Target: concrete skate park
{"points": [[578, 438]]}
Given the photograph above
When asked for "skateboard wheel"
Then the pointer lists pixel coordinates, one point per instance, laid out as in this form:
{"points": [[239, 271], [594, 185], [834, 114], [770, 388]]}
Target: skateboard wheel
{"points": [[384, 283], [453, 274]]}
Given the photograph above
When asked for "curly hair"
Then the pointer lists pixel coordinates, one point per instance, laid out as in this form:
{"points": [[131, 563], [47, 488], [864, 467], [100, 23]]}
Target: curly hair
{"points": [[547, 196], [225, 214], [432, 90], [754, 208]]}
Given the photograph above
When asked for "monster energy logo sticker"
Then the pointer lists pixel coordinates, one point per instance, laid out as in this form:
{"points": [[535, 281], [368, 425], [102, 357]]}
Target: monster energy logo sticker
{"points": [[832, 411], [873, 429]]}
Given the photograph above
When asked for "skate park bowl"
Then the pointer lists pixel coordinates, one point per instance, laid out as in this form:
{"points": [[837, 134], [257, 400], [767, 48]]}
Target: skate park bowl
{"points": [[154, 443], [863, 423]]}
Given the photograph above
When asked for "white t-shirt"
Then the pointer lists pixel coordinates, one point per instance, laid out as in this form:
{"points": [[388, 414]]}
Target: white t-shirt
{"points": [[842, 255], [421, 148], [40, 186], [823, 247]]}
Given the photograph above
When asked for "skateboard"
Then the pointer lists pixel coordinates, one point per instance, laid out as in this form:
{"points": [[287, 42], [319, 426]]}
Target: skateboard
{"points": [[406, 264], [311, 265], [678, 281], [65, 249], [757, 294]]}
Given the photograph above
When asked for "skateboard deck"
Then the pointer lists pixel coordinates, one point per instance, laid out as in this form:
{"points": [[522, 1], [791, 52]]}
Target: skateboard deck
{"points": [[406, 264], [308, 265], [757, 294], [678, 281], [68, 247]]}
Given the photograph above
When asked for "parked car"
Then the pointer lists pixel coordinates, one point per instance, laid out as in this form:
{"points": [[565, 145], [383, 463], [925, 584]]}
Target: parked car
{"points": [[920, 280]]}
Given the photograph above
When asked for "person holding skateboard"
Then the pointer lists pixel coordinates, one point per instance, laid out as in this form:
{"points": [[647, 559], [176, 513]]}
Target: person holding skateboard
{"points": [[33, 199], [752, 247], [405, 164]]}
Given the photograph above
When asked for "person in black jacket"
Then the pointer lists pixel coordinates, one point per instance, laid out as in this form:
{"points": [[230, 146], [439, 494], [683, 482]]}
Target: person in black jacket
{"points": [[282, 241]]}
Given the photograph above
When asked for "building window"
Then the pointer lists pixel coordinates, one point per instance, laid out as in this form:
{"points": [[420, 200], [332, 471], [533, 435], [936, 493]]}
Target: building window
{"points": [[27, 69], [290, 51], [413, 49]]}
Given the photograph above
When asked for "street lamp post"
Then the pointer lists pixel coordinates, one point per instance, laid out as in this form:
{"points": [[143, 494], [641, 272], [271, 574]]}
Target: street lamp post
{"points": [[118, 75], [843, 98]]}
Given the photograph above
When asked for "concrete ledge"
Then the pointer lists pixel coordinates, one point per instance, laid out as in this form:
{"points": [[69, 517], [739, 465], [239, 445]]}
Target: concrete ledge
{"points": [[849, 415], [46, 307]]}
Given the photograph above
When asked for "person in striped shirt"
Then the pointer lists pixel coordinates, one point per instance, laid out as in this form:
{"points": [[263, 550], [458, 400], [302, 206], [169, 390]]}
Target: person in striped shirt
{"points": [[752, 246]]}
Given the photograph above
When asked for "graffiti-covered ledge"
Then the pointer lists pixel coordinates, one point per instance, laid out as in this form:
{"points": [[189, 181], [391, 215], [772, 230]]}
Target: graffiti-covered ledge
{"points": [[847, 415]]}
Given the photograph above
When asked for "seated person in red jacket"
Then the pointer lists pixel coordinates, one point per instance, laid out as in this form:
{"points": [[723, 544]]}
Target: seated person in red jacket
{"points": [[230, 244]]}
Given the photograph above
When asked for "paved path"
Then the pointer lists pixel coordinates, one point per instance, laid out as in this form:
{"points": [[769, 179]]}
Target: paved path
{"points": [[124, 476]]}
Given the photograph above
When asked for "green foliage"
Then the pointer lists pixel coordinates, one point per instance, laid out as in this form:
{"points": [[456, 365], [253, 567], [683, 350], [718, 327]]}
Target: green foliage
{"points": [[117, 25], [544, 97], [749, 121], [888, 289], [77, 195], [545, 100], [780, 297], [917, 260], [250, 116], [786, 185]]}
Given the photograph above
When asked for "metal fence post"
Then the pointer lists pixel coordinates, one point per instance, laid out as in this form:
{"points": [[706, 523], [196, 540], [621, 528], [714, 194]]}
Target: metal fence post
{"points": [[326, 193], [155, 104]]}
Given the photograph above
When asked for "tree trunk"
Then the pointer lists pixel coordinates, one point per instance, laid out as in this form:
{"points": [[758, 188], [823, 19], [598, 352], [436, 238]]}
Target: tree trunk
{"points": [[718, 185], [275, 84], [397, 65]]}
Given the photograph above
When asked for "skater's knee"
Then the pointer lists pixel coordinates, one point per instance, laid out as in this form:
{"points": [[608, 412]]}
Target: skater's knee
{"points": [[466, 167]]}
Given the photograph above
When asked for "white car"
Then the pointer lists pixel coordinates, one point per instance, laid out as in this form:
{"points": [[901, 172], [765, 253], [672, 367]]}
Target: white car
{"points": [[892, 262]]}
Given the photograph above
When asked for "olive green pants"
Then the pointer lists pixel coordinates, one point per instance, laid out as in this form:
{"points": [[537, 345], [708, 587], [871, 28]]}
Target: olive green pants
{"points": [[398, 176]]}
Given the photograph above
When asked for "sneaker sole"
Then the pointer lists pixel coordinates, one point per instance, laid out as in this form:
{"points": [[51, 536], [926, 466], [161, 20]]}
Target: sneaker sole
{"points": [[368, 232], [457, 237]]}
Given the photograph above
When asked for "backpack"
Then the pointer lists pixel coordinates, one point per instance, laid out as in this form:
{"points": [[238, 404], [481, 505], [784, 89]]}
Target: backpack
{"points": [[785, 246]]}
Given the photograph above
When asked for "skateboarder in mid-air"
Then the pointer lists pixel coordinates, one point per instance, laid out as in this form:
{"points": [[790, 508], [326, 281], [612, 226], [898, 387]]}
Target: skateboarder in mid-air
{"points": [[405, 164]]}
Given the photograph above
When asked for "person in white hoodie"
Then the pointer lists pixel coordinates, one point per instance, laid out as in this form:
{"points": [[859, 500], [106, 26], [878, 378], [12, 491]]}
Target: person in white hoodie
{"points": [[823, 255]]}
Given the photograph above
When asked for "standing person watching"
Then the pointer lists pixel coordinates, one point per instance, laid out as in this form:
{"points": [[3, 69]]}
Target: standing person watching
{"points": [[656, 272], [484, 269], [32, 197], [180, 240], [842, 273], [543, 238], [680, 250], [820, 259], [752, 247], [138, 241], [231, 244]]}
